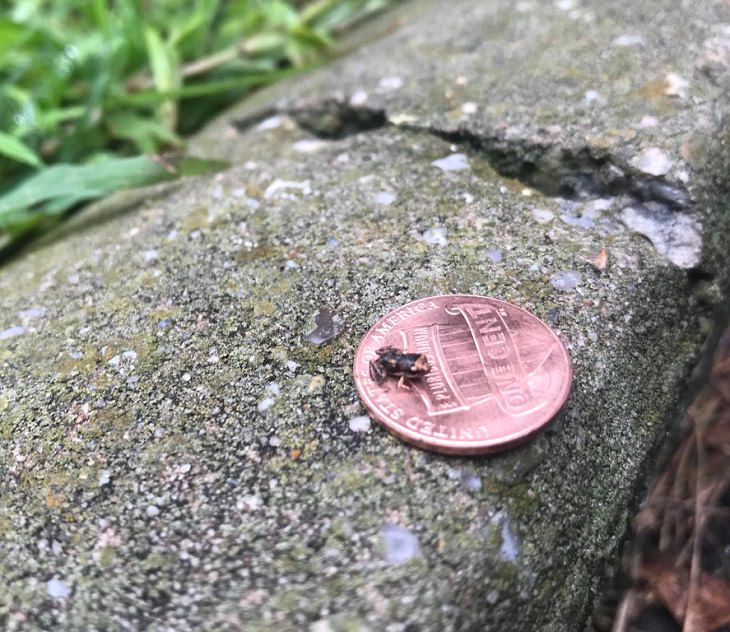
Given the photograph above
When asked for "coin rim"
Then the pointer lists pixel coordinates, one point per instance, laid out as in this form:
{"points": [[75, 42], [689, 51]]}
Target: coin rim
{"points": [[451, 446]]}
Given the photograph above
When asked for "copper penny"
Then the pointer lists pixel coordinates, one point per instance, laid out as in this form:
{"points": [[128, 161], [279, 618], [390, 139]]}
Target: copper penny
{"points": [[498, 374]]}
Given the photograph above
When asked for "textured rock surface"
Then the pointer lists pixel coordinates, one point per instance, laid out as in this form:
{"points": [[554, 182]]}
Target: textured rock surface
{"points": [[174, 453]]}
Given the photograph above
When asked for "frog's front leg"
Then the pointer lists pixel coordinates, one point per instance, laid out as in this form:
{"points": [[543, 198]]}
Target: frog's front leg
{"points": [[403, 384], [377, 372]]}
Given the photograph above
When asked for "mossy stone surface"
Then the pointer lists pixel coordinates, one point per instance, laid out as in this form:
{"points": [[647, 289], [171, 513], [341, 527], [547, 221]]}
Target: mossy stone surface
{"points": [[175, 455]]}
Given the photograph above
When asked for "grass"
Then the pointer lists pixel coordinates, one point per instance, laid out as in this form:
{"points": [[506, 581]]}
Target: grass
{"points": [[92, 90]]}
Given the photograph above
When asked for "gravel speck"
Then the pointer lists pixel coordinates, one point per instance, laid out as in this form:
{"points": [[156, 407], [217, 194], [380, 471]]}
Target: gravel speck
{"points": [[436, 236], [251, 502], [675, 86], [309, 145], [472, 482], [11, 332], [648, 121], [566, 281], [33, 312], [593, 96], [510, 548], [322, 625], [126, 357], [57, 588], [390, 83], [452, 162], [675, 235], [401, 545], [628, 39], [653, 161], [577, 220], [543, 215], [385, 198], [271, 123], [358, 98], [361, 423], [265, 404], [279, 187]]}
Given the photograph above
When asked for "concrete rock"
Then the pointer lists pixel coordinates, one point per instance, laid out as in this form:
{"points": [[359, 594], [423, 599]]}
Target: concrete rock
{"points": [[150, 373]]}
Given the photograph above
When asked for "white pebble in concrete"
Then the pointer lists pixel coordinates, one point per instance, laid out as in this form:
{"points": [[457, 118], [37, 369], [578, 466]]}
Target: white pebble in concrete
{"points": [[385, 198], [57, 588], [11, 332], [436, 236], [361, 423], [653, 161], [401, 545], [452, 162], [542, 215], [566, 281]]}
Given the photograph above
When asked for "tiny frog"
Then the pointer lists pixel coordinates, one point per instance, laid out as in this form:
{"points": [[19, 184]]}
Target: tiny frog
{"points": [[393, 362]]}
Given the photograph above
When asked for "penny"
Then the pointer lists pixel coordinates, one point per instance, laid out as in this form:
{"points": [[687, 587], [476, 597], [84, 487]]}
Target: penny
{"points": [[498, 374]]}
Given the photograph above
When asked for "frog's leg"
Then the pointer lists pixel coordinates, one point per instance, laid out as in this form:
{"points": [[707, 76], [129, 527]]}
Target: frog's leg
{"points": [[403, 384], [377, 373]]}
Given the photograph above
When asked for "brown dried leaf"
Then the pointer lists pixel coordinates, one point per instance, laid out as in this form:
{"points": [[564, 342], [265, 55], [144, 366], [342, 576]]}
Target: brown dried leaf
{"points": [[710, 601], [668, 583], [686, 519], [710, 607], [718, 437]]}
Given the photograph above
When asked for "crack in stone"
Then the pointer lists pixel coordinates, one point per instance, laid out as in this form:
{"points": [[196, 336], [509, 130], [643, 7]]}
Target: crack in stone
{"points": [[580, 173], [334, 119], [655, 207], [328, 119]]}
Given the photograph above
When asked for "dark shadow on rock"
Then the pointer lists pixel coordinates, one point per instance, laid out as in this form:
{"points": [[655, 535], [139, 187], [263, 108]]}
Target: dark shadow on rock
{"points": [[79, 221]]}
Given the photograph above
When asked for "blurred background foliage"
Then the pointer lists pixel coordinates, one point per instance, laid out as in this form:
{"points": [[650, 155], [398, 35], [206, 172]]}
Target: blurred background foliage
{"points": [[100, 82]]}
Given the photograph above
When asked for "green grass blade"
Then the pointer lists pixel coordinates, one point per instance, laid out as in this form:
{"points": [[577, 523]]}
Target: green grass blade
{"points": [[146, 133], [265, 43], [16, 149], [165, 73], [11, 34], [58, 188], [82, 79], [102, 16], [152, 97]]}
